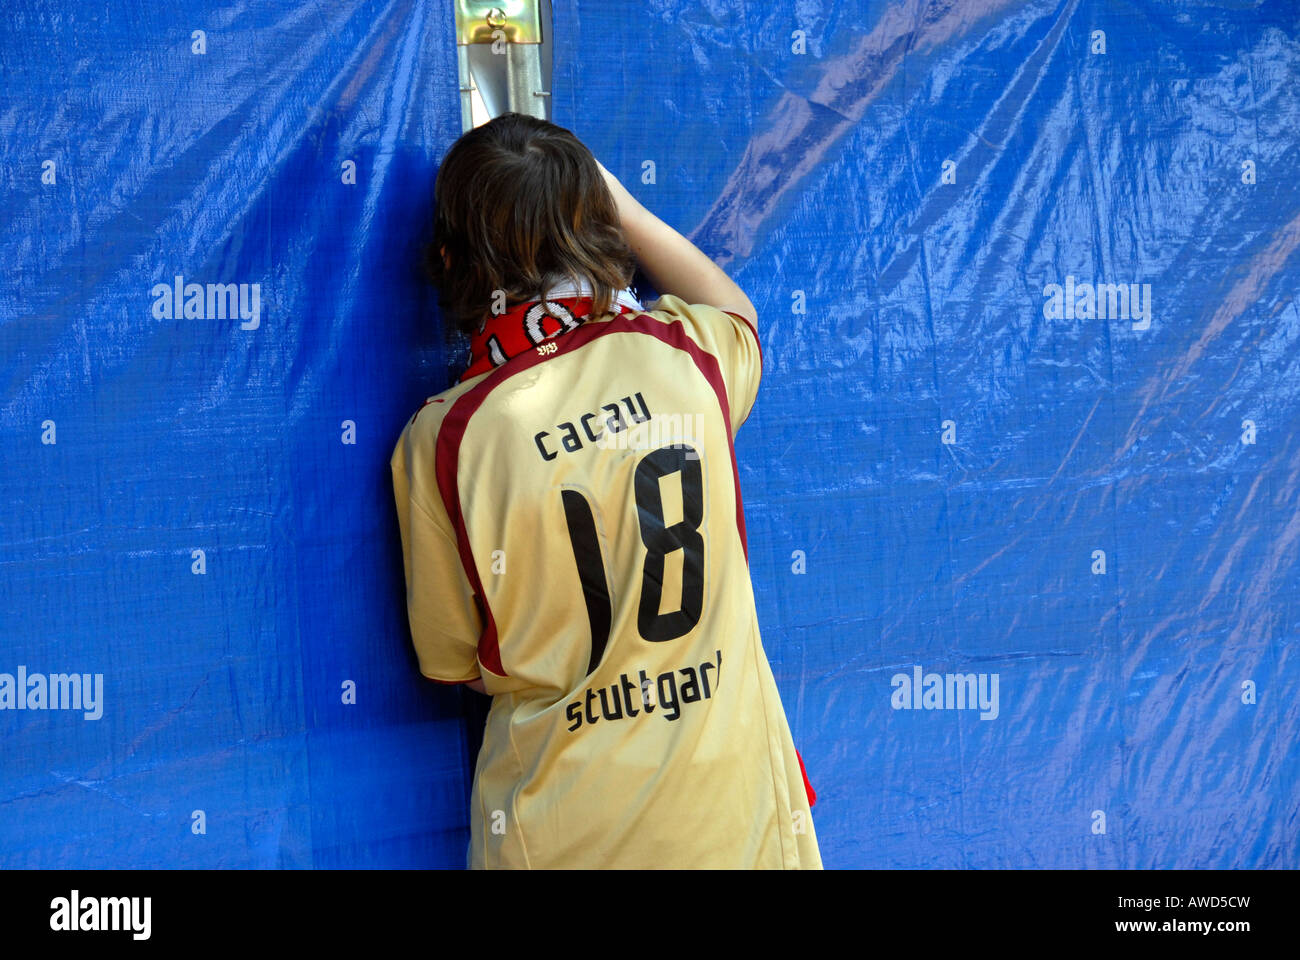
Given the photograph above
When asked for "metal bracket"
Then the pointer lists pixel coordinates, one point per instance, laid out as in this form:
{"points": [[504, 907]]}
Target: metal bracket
{"points": [[477, 21], [503, 53]]}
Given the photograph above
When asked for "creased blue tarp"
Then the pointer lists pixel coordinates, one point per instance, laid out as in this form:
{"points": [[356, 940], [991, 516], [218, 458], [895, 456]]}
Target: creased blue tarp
{"points": [[891, 302], [223, 690], [942, 475]]}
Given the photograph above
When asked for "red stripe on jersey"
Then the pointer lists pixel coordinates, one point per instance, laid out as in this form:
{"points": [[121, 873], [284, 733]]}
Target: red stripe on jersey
{"points": [[752, 329], [452, 432], [807, 787], [446, 456]]}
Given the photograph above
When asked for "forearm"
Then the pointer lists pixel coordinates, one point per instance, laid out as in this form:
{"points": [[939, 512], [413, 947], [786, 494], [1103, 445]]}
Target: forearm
{"points": [[672, 263]]}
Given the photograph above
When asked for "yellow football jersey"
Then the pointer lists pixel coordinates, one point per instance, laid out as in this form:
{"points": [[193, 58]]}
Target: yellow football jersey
{"points": [[573, 533]]}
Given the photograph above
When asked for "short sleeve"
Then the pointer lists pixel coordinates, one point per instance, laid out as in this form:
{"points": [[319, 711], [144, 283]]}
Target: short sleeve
{"points": [[444, 618], [729, 337]]}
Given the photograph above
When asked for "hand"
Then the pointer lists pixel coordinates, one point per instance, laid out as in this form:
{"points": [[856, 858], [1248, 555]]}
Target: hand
{"points": [[671, 262]]}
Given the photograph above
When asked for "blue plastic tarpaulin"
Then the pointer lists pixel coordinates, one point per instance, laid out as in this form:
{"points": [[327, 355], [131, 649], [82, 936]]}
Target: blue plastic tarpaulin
{"points": [[1021, 484]]}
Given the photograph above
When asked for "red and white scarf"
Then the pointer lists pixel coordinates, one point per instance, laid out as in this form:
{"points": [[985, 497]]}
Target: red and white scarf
{"points": [[526, 325]]}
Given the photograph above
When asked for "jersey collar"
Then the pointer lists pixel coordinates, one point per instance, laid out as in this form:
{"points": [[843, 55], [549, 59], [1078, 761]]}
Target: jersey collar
{"points": [[526, 325]]}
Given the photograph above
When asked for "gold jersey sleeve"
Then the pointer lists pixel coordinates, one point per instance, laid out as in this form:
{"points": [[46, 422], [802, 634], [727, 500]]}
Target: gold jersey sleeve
{"points": [[573, 532], [733, 340], [444, 618]]}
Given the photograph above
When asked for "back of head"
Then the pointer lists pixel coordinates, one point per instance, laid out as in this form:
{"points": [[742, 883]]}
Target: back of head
{"points": [[521, 204]]}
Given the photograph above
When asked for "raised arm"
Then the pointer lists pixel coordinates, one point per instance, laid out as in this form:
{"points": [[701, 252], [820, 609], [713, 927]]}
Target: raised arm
{"points": [[672, 263]]}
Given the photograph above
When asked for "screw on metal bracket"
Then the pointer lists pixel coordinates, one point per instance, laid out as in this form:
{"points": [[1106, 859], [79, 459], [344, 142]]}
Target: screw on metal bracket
{"points": [[514, 21]]}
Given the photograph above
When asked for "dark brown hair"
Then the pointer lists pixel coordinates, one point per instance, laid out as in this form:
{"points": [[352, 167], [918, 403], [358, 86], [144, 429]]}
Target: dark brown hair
{"points": [[521, 202]]}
